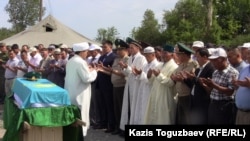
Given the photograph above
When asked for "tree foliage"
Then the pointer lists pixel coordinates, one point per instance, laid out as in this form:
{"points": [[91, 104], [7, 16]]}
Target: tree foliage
{"points": [[149, 31], [186, 22], [23, 13], [110, 33], [5, 33]]}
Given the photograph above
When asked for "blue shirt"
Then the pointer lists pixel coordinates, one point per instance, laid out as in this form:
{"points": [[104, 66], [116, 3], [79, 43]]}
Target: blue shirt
{"points": [[242, 97], [241, 66]]}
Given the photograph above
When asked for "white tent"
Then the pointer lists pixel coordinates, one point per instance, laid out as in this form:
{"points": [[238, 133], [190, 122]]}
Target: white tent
{"points": [[48, 31]]}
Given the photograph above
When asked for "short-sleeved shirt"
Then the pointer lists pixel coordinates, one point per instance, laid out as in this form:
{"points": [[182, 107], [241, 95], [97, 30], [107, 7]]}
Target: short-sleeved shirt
{"points": [[11, 63], [242, 96], [224, 79]]}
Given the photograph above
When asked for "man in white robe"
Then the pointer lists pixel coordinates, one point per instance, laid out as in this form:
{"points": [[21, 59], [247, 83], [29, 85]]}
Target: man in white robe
{"points": [[78, 81], [141, 101], [136, 60], [161, 107]]}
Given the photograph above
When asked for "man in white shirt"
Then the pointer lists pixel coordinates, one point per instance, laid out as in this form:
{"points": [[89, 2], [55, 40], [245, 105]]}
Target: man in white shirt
{"points": [[35, 59], [10, 71]]}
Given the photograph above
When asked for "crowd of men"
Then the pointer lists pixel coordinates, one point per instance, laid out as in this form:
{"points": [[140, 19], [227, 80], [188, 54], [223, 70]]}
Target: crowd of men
{"points": [[136, 83]]}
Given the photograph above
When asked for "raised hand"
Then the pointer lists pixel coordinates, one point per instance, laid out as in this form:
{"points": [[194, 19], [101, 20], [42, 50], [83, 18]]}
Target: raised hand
{"points": [[156, 72], [150, 72]]}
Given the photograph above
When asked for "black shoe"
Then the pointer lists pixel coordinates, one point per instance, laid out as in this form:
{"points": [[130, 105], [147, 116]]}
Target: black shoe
{"points": [[109, 130], [116, 132], [99, 127]]}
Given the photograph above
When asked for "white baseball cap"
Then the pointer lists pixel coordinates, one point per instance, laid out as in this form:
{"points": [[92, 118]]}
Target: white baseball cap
{"points": [[245, 45], [198, 44], [211, 50], [149, 49], [80, 46], [218, 52]]}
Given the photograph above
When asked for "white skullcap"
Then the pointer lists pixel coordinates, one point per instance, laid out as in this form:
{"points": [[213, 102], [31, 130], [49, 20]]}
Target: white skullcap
{"points": [[57, 51], [198, 44], [149, 49], [94, 47], [80, 46], [32, 49]]}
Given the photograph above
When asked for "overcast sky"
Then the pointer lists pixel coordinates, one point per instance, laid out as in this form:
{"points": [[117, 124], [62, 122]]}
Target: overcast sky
{"points": [[87, 16]]}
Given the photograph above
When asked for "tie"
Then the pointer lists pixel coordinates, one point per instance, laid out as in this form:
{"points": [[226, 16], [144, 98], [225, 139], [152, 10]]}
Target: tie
{"points": [[133, 58], [92, 60], [192, 92]]}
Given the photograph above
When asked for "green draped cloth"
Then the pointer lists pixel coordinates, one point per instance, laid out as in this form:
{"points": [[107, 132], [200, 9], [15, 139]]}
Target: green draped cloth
{"points": [[47, 117]]}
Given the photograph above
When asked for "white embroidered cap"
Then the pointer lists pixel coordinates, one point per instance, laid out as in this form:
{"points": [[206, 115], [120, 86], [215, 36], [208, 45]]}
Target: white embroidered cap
{"points": [[80, 46], [149, 49]]}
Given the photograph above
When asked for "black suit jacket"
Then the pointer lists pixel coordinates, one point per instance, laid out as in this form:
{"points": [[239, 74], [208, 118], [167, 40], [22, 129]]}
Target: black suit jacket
{"points": [[200, 94], [103, 80]]}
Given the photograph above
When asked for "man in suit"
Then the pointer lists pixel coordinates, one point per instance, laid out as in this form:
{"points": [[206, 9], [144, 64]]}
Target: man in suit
{"points": [[105, 87], [200, 97]]}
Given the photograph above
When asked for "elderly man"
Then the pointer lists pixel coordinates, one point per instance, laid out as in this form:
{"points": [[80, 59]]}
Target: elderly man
{"points": [[161, 106], [56, 69], [78, 81], [34, 61], [44, 63], [244, 49], [242, 96], [221, 88], [143, 75], [136, 60], [235, 59]]}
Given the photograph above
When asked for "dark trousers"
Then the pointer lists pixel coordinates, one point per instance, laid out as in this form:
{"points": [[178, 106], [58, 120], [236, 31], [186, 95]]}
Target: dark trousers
{"points": [[220, 112], [199, 111], [118, 98], [94, 110], [2, 87], [183, 110], [106, 98], [100, 109]]}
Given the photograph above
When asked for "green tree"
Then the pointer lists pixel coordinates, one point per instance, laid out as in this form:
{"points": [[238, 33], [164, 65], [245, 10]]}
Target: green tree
{"points": [[23, 13], [186, 22], [149, 31], [5, 33], [110, 33], [227, 13]]}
